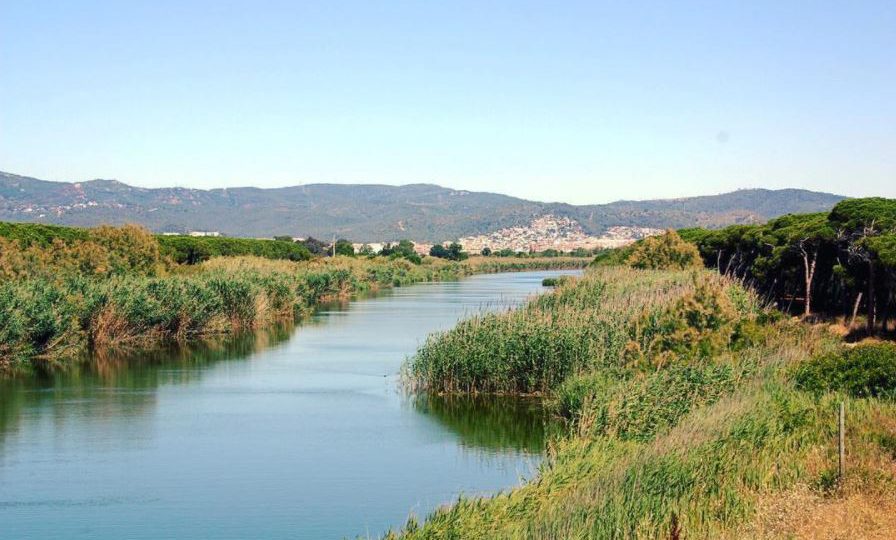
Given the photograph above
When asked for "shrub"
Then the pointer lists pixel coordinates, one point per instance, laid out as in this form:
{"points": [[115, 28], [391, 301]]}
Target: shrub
{"points": [[665, 252], [862, 371]]}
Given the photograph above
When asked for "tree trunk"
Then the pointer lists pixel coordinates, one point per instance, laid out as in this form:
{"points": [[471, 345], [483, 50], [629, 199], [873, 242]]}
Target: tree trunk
{"points": [[885, 313], [872, 308], [855, 311]]}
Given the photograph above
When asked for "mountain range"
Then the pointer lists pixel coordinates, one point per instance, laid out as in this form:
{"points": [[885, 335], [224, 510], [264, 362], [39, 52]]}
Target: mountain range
{"points": [[368, 212]]}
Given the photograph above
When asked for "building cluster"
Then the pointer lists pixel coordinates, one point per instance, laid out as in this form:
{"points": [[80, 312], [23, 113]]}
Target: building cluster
{"points": [[553, 232]]}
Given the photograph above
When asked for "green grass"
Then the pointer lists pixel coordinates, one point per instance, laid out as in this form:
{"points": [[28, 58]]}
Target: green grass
{"points": [[682, 410]]}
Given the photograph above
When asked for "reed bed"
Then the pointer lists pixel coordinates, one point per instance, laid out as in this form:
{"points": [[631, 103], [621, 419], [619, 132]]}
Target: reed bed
{"points": [[684, 415], [48, 320]]}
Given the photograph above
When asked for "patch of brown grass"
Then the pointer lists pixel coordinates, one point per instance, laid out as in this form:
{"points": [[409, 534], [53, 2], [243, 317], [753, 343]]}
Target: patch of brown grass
{"points": [[805, 513]]}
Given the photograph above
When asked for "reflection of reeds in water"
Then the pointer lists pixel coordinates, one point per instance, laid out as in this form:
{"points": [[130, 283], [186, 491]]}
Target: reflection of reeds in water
{"points": [[494, 423], [113, 379], [46, 322]]}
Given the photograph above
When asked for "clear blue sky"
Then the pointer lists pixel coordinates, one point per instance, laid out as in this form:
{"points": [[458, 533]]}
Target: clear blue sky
{"points": [[575, 101]]}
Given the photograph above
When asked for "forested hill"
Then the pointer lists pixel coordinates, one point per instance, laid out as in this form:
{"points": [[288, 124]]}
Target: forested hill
{"points": [[367, 212]]}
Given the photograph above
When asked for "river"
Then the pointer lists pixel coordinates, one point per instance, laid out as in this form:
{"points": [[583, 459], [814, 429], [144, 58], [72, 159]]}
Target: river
{"points": [[296, 432]]}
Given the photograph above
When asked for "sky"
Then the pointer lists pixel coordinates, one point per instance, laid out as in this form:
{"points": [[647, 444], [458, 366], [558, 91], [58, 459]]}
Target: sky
{"points": [[581, 102]]}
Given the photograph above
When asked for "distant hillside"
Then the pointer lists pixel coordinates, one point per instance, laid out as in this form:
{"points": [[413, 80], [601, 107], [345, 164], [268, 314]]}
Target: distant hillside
{"points": [[367, 212]]}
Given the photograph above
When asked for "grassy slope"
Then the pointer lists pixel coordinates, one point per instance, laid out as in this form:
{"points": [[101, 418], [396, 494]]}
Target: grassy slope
{"points": [[695, 428], [49, 321]]}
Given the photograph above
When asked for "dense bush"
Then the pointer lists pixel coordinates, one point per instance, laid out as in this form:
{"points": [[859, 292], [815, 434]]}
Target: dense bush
{"points": [[34, 251], [193, 250], [453, 252], [664, 252], [861, 371]]}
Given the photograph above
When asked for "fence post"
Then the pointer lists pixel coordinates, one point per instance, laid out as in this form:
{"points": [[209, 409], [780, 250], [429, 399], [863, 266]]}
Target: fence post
{"points": [[842, 445]]}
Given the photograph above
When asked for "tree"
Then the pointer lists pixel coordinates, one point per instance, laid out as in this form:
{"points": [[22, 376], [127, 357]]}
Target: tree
{"points": [[664, 252], [807, 235], [486, 251], [344, 247], [456, 252], [366, 251], [316, 247], [283, 238], [453, 252], [858, 222], [403, 250]]}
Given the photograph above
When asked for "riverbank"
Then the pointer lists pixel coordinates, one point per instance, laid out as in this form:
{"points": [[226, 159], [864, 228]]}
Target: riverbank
{"points": [[692, 411], [49, 320]]}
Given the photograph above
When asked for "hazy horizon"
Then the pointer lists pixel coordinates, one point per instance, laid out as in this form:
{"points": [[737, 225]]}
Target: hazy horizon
{"points": [[575, 102]]}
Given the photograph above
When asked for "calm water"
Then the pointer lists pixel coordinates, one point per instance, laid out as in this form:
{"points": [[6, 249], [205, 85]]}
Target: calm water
{"points": [[290, 433]]}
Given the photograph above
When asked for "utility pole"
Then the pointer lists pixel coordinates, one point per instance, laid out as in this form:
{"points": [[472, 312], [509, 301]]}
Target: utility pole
{"points": [[334, 245]]}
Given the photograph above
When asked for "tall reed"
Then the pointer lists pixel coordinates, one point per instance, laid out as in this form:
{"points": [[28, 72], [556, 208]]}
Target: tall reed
{"points": [[684, 417]]}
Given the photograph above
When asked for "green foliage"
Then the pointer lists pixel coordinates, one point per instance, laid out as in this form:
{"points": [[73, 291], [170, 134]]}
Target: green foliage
{"points": [[698, 440], [27, 234], [193, 250], [402, 250], [554, 281], [664, 252], [884, 249], [871, 212], [52, 252], [49, 319], [861, 371], [534, 349], [453, 252], [345, 248], [613, 256], [820, 262]]}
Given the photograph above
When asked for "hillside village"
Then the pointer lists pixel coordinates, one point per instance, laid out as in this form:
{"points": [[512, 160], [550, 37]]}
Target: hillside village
{"points": [[553, 232], [543, 233]]}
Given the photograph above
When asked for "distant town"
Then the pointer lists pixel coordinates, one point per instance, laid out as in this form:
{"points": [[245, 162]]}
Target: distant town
{"points": [[548, 232]]}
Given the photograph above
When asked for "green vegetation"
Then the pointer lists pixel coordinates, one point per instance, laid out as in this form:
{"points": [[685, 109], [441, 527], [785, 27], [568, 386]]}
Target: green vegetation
{"points": [[553, 282], [839, 263], [194, 250], [453, 252], [692, 411], [345, 248], [402, 250], [64, 291], [664, 252], [868, 370], [49, 252]]}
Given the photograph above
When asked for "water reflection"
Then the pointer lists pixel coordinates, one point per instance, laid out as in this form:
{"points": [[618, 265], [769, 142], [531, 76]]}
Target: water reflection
{"points": [[494, 423], [116, 382], [299, 434]]}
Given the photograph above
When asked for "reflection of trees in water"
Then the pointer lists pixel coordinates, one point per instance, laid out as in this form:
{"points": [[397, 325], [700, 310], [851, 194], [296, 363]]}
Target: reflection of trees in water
{"points": [[498, 423], [112, 383]]}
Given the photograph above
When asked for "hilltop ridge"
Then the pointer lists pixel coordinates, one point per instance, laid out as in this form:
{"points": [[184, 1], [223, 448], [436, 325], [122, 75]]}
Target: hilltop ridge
{"points": [[369, 212]]}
